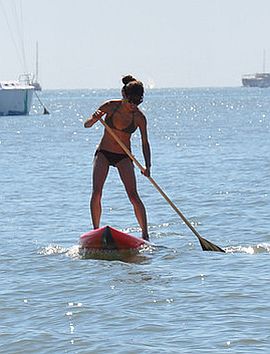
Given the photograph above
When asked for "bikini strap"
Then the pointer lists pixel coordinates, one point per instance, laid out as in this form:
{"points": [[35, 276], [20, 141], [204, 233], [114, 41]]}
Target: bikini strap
{"points": [[108, 118], [116, 108]]}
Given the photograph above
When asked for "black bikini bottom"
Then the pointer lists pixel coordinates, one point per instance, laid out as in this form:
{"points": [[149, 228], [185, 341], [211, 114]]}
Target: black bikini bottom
{"points": [[113, 158]]}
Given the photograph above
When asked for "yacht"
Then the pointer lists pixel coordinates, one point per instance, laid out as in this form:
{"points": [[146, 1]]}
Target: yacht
{"points": [[256, 80], [260, 79], [15, 97]]}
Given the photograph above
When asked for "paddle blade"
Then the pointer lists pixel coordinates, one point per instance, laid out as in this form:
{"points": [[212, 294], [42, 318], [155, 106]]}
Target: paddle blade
{"points": [[209, 246]]}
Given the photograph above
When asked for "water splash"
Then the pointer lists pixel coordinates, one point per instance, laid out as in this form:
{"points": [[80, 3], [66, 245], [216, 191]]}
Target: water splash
{"points": [[50, 250], [76, 252], [251, 249]]}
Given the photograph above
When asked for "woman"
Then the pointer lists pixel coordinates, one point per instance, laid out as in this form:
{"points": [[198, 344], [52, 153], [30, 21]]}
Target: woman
{"points": [[124, 117]]}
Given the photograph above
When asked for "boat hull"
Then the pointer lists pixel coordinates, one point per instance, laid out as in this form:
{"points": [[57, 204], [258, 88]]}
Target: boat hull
{"points": [[15, 101], [108, 238], [261, 80]]}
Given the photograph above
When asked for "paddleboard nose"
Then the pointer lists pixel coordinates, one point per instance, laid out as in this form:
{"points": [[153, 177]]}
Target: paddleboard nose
{"points": [[107, 239]]}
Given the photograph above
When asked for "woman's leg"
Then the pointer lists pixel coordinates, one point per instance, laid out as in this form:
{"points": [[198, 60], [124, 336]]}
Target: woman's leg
{"points": [[126, 172], [100, 172]]}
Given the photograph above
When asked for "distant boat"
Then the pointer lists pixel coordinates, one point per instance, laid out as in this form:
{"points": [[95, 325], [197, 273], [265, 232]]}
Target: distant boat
{"points": [[261, 79], [256, 80], [15, 98]]}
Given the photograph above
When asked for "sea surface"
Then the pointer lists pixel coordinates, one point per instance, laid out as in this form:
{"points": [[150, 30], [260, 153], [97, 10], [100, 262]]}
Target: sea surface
{"points": [[210, 154]]}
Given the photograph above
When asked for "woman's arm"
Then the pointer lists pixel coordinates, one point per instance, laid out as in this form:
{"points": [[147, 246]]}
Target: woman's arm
{"points": [[93, 119], [145, 145], [96, 115]]}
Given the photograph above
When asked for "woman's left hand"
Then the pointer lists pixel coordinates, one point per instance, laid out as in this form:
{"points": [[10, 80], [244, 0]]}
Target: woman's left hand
{"points": [[146, 172]]}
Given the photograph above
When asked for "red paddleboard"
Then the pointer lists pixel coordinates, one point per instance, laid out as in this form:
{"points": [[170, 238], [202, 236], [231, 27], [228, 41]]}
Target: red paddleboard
{"points": [[108, 238]]}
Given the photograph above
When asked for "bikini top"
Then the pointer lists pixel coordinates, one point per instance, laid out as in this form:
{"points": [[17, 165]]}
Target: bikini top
{"points": [[129, 129]]}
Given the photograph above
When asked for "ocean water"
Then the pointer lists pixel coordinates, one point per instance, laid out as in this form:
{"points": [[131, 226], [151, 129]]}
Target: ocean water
{"points": [[210, 154]]}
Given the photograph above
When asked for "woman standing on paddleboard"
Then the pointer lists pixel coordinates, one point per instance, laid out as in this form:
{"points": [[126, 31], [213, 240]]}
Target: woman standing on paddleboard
{"points": [[123, 117]]}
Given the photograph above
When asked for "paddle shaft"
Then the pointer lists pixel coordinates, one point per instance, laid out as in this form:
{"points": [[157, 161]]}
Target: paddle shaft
{"points": [[154, 183]]}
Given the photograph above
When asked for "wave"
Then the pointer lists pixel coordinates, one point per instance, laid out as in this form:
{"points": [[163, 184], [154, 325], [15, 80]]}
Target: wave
{"points": [[250, 249]]}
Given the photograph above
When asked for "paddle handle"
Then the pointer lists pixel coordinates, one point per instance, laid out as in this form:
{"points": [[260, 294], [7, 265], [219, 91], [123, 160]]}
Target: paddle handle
{"points": [[154, 183]]}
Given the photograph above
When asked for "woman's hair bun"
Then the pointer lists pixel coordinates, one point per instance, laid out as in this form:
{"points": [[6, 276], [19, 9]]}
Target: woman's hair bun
{"points": [[127, 79]]}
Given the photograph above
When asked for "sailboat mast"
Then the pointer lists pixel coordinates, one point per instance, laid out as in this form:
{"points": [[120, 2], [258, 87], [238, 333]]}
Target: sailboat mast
{"points": [[36, 62]]}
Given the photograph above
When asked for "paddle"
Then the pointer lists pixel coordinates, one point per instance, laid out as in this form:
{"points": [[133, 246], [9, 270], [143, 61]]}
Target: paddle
{"points": [[206, 245]]}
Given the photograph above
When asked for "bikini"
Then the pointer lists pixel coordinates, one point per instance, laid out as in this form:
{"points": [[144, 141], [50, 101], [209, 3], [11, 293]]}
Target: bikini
{"points": [[129, 129], [114, 158]]}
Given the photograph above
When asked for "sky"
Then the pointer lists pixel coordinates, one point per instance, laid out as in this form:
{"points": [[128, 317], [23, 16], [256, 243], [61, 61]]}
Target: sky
{"points": [[164, 43]]}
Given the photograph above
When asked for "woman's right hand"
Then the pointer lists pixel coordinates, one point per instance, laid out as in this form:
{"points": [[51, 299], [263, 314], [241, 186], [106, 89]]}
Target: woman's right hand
{"points": [[93, 119]]}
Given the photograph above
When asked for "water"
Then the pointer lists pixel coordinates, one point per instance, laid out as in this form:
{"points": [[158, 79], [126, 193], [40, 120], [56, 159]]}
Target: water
{"points": [[210, 152]]}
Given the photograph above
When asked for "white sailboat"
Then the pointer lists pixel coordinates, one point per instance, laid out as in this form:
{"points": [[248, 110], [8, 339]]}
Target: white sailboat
{"points": [[16, 95], [15, 98]]}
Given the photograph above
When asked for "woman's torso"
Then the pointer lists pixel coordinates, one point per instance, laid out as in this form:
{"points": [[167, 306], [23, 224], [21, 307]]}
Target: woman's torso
{"points": [[123, 122]]}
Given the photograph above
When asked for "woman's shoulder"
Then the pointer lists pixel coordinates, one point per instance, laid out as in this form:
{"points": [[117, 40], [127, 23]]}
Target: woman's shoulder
{"points": [[110, 105], [140, 119], [140, 115]]}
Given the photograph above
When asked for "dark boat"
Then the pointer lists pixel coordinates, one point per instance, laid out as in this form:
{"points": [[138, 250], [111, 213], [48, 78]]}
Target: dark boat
{"points": [[256, 80], [261, 79]]}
